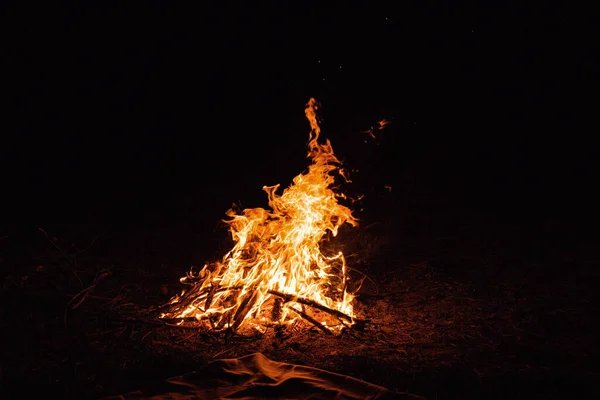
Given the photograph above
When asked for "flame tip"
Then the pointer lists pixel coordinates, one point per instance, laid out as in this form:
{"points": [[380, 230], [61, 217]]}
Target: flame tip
{"points": [[277, 250]]}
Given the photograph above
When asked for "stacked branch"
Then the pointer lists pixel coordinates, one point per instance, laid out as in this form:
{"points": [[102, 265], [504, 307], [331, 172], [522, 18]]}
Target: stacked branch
{"points": [[200, 297]]}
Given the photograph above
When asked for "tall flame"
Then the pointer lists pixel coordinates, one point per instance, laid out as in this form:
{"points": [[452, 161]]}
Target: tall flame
{"points": [[277, 252]]}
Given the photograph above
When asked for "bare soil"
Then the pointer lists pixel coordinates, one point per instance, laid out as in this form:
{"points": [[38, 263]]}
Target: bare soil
{"points": [[460, 305]]}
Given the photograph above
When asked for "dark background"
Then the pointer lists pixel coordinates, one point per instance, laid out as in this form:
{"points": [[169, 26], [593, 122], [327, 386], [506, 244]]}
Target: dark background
{"points": [[115, 112], [127, 129]]}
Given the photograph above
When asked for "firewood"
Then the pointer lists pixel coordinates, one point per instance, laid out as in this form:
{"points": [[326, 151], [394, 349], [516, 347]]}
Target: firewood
{"points": [[312, 321], [276, 311], [210, 295], [235, 318], [244, 309], [311, 303]]}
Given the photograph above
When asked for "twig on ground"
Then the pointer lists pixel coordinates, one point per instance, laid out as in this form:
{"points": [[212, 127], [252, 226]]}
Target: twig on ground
{"points": [[223, 352], [88, 246], [313, 321], [51, 241], [187, 337], [366, 277], [83, 294], [146, 335], [311, 303]]}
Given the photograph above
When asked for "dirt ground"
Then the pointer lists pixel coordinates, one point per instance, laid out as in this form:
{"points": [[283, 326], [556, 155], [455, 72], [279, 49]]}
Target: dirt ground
{"points": [[460, 305]]}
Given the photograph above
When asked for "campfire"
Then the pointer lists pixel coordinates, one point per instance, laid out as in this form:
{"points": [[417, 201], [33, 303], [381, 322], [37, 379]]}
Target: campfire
{"points": [[276, 273]]}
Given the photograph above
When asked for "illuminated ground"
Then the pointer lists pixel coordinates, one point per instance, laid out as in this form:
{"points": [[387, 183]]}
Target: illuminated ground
{"points": [[461, 306]]}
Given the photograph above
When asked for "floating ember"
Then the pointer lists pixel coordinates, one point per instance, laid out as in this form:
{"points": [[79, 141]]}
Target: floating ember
{"points": [[380, 125], [276, 273]]}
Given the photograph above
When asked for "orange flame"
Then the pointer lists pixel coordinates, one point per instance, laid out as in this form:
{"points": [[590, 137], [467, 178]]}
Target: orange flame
{"points": [[380, 125], [278, 251]]}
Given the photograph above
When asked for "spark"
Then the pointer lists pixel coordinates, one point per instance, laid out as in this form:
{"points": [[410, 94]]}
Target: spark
{"points": [[380, 125]]}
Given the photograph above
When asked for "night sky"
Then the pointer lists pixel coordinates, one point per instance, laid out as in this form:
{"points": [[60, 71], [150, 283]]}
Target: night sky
{"points": [[115, 109]]}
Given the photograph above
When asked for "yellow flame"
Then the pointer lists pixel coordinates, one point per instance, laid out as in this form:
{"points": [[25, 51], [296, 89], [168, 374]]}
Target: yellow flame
{"points": [[278, 250]]}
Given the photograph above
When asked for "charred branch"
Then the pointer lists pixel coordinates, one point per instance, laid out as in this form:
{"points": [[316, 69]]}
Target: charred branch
{"points": [[244, 309], [249, 301], [311, 303], [313, 321]]}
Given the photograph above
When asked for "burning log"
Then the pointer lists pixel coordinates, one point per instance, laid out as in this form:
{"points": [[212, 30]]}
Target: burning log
{"points": [[244, 308], [276, 312], [210, 295], [276, 261], [281, 297]]}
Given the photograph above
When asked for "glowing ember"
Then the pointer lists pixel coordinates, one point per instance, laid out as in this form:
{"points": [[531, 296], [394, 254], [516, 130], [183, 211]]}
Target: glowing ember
{"points": [[380, 125], [276, 271]]}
